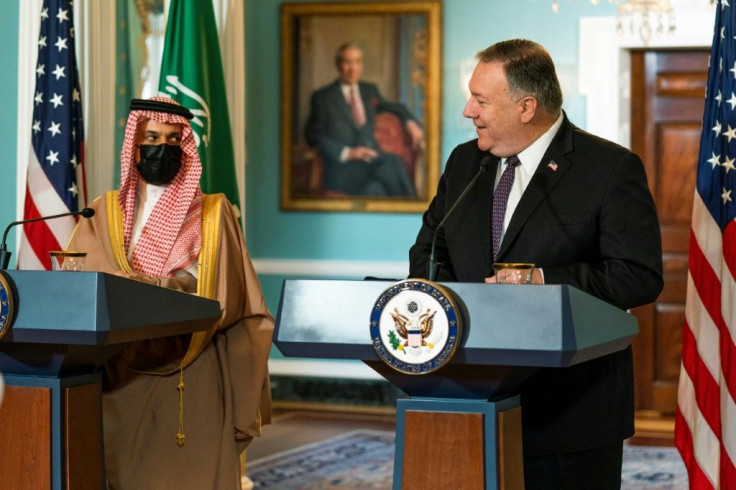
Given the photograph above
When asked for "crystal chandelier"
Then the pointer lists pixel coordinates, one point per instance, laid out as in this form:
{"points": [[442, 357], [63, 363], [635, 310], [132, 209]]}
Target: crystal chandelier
{"points": [[645, 17]]}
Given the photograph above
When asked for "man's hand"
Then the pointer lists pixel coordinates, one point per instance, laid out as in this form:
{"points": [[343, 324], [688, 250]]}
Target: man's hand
{"points": [[537, 277], [362, 153], [415, 134], [156, 281]]}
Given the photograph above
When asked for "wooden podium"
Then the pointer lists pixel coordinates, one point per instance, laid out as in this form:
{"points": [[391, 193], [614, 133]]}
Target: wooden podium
{"points": [[67, 325], [461, 425]]}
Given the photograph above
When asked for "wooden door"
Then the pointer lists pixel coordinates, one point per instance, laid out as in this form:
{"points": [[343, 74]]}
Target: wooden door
{"points": [[667, 101]]}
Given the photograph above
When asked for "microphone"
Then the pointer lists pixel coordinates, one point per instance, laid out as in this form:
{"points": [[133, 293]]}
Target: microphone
{"points": [[433, 267], [5, 255]]}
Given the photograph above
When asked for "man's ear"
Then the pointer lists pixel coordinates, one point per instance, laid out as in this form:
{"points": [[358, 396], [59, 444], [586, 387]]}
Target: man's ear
{"points": [[528, 106]]}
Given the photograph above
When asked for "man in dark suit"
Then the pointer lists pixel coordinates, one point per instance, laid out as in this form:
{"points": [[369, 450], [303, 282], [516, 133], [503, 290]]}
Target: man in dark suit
{"points": [[580, 209], [341, 124]]}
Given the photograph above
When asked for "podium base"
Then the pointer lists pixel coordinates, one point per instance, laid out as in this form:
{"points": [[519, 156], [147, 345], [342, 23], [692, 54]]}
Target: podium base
{"points": [[50, 436], [468, 444]]}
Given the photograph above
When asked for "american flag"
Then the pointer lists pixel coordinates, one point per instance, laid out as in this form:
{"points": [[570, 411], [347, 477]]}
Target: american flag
{"points": [[57, 139], [705, 422]]}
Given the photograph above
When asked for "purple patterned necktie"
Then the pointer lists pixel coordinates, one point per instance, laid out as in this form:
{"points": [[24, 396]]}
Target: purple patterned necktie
{"points": [[500, 198]]}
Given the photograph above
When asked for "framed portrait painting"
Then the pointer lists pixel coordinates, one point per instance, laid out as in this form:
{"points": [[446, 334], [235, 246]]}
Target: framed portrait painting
{"points": [[360, 104]]}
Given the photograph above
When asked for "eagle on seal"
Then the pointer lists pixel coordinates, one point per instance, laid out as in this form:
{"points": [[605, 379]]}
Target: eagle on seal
{"points": [[414, 331]]}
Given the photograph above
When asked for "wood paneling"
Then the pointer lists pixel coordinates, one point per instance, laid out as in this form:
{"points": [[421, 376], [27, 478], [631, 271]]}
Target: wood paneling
{"points": [[25, 438], [680, 84], [83, 439], [510, 450], [451, 441]]}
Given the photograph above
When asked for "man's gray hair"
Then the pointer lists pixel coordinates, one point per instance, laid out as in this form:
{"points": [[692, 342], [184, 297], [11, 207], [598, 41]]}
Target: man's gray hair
{"points": [[529, 71], [343, 47]]}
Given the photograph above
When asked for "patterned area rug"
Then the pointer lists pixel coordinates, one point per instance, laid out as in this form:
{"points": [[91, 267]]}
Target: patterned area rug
{"points": [[363, 459], [650, 468]]}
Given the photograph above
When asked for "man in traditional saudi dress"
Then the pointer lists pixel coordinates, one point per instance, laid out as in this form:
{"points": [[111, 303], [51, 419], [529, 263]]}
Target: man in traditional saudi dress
{"points": [[160, 229]]}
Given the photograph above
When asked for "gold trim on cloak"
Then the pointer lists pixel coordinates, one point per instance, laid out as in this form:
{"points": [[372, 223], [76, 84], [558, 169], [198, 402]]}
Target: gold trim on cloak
{"points": [[207, 270], [115, 227]]}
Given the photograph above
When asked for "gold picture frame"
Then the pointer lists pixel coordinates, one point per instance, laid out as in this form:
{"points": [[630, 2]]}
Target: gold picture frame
{"points": [[401, 49]]}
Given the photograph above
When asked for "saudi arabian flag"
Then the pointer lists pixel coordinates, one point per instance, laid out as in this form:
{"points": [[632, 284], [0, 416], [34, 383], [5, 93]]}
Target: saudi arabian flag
{"points": [[191, 74]]}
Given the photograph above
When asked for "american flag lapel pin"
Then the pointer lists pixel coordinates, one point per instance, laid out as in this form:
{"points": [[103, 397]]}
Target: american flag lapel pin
{"points": [[552, 165]]}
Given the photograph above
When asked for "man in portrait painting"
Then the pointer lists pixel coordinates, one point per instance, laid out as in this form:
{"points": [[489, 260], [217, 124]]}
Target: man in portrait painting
{"points": [[342, 127]]}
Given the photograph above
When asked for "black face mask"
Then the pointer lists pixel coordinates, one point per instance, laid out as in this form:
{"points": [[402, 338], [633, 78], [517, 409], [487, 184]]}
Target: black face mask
{"points": [[159, 163]]}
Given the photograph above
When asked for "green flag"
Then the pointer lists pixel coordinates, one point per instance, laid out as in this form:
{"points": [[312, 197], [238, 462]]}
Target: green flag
{"points": [[191, 74]]}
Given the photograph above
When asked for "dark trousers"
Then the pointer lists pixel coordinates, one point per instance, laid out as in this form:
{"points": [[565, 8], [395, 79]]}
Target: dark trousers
{"points": [[384, 176], [598, 469]]}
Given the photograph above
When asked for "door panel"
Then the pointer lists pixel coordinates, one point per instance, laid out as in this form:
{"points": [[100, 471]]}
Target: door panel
{"points": [[668, 93]]}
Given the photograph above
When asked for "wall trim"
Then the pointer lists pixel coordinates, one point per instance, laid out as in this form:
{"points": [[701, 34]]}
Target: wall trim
{"points": [[331, 268], [322, 368]]}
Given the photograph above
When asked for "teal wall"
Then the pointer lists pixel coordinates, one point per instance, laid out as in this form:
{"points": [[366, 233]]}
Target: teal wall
{"points": [[8, 116], [468, 27]]}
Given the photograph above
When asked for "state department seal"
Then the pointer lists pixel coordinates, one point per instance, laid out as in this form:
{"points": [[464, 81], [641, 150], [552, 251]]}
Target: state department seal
{"points": [[6, 305], [415, 326]]}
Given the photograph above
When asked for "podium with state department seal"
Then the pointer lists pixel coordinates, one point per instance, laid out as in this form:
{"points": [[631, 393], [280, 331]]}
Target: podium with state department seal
{"points": [[459, 351]]}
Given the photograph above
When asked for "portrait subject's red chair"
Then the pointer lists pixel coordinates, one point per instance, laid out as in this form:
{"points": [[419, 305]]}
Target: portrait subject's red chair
{"points": [[392, 137]]}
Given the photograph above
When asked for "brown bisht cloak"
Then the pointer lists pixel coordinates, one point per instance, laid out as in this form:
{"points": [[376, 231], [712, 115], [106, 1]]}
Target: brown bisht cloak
{"points": [[226, 388]]}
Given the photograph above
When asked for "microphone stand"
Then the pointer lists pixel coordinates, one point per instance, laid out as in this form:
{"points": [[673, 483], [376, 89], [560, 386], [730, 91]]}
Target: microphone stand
{"points": [[5, 254], [4, 258], [433, 267]]}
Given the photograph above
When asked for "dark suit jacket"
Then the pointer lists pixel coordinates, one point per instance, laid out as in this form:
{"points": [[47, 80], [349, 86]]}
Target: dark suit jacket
{"points": [[590, 223], [331, 127]]}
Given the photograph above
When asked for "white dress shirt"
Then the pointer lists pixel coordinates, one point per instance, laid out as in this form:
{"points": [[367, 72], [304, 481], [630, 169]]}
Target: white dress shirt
{"points": [[529, 160]]}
